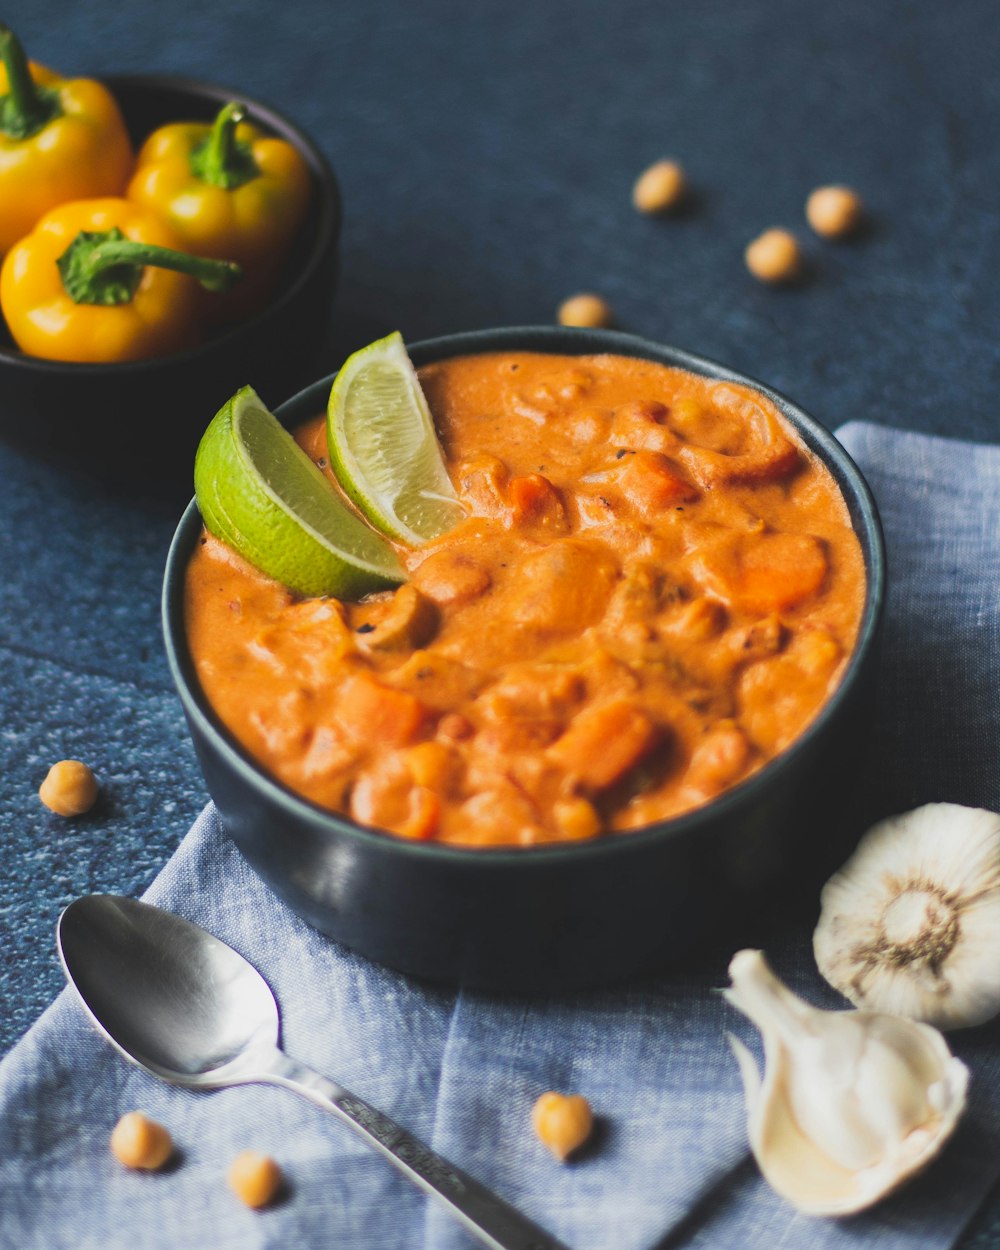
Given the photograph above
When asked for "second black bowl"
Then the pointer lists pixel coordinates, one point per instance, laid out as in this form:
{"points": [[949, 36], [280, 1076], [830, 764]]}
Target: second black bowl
{"points": [[138, 423], [550, 918]]}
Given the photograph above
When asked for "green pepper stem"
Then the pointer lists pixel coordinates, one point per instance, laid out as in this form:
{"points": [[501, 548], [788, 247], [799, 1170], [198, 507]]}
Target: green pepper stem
{"points": [[105, 267], [221, 160], [24, 110]]}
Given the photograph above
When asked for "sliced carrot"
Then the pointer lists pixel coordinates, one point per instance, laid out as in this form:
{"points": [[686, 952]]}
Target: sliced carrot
{"points": [[780, 570], [378, 714], [535, 501], [433, 765], [603, 743], [761, 572], [651, 483]]}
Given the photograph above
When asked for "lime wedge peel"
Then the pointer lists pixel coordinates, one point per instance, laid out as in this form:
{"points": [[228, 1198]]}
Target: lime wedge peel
{"points": [[259, 492], [384, 448]]}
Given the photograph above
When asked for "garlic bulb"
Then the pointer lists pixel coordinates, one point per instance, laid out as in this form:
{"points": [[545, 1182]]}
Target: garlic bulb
{"points": [[851, 1102], [911, 923]]}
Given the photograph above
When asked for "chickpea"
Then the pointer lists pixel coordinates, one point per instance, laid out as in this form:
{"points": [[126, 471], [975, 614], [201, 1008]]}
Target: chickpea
{"points": [[577, 819], [70, 789], [585, 310], [817, 652], [563, 1122], [254, 1178], [774, 256], [139, 1142], [833, 211], [659, 188], [454, 727], [699, 620], [719, 758]]}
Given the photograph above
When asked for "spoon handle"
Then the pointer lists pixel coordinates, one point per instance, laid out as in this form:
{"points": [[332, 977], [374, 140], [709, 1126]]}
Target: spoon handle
{"points": [[492, 1220]]}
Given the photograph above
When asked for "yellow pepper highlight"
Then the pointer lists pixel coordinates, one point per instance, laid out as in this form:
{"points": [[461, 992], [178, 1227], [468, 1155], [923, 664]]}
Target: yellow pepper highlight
{"points": [[227, 190], [88, 285], [60, 139]]}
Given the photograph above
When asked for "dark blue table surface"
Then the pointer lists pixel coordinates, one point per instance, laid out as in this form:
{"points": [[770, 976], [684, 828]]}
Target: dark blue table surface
{"points": [[486, 154]]}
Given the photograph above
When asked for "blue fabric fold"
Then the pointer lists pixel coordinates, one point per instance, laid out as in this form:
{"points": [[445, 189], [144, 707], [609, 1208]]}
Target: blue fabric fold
{"points": [[669, 1166]]}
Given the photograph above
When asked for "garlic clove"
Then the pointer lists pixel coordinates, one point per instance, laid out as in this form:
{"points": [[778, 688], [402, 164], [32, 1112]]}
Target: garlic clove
{"points": [[850, 1104], [910, 925]]}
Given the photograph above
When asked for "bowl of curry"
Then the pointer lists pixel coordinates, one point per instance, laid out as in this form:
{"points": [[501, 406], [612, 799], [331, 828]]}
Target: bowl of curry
{"points": [[610, 715]]}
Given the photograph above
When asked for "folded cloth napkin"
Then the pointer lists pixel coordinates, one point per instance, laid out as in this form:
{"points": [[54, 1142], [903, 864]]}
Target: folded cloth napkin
{"points": [[669, 1167]]}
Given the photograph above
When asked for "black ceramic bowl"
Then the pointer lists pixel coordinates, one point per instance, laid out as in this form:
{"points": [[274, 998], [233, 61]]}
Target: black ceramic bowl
{"points": [[139, 422], [553, 917]]}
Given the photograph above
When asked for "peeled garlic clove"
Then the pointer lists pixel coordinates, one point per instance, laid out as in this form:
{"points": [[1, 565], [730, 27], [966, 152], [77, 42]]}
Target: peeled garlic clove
{"points": [[851, 1102], [911, 924]]}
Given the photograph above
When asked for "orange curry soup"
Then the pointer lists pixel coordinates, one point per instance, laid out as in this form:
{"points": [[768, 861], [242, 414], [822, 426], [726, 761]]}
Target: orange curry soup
{"points": [[655, 590]]}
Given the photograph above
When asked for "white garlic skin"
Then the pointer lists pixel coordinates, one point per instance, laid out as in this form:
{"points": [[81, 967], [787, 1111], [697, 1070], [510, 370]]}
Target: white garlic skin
{"points": [[911, 924], [851, 1103]]}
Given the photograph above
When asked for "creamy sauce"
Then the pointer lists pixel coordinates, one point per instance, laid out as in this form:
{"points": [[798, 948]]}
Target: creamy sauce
{"points": [[655, 590]]}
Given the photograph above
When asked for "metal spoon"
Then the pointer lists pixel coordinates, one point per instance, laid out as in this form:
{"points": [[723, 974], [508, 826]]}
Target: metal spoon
{"points": [[188, 1009]]}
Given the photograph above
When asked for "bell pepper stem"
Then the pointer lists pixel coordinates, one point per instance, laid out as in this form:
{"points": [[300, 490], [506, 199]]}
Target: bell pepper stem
{"points": [[214, 275], [105, 268], [222, 160], [25, 109]]}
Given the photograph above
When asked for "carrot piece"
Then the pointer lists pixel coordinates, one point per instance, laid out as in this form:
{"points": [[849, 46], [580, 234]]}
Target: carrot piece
{"points": [[378, 713], [650, 483], [534, 500], [603, 743], [780, 570], [761, 572]]}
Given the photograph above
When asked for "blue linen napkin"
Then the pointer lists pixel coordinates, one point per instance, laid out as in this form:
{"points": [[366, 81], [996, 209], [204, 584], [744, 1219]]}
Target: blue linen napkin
{"points": [[670, 1166]]}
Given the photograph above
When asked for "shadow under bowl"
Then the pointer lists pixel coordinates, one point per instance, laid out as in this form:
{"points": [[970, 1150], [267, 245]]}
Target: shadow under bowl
{"points": [[557, 917], [137, 424]]}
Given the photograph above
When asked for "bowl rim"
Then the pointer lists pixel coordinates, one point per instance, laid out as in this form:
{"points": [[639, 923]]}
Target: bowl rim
{"points": [[550, 339], [328, 226]]}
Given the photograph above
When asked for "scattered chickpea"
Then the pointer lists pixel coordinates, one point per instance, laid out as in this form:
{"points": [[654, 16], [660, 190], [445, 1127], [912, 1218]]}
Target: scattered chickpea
{"points": [[774, 256], [659, 188], [585, 310], [833, 211], [563, 1122], [254, 1178], [70, 789], [139, 1142]]}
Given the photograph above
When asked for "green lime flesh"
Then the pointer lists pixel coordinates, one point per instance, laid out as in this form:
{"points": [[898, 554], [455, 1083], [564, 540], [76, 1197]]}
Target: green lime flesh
{"points": [[384, 448], [259, 492]]}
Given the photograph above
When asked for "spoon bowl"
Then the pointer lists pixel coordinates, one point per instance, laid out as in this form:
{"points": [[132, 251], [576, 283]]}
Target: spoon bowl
{"points": [[171, 997]]}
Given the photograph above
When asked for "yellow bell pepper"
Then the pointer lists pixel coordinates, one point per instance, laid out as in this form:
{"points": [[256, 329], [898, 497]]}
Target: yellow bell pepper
{"points": [[101, 281], [226, 190], [59, 140]]}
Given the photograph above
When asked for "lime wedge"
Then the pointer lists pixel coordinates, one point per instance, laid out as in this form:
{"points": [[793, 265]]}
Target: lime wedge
{"points": [[261, 494], [383, 446]]}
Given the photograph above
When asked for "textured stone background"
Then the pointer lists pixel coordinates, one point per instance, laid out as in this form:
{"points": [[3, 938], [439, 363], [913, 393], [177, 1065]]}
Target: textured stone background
{"points": [[486, 154]]}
